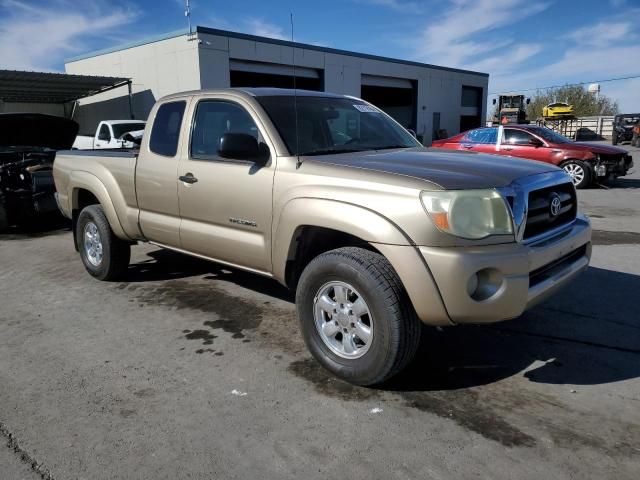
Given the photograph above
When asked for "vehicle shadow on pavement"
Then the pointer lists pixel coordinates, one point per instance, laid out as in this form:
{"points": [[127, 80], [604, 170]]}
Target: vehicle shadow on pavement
{"points": [[167, 265], [588, 334], [43, 226], [624, 183]]}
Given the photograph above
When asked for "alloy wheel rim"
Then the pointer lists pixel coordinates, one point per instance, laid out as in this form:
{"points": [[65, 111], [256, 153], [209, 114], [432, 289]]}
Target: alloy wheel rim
{"points": [[92, 244], [343, 320], [576, 172]]}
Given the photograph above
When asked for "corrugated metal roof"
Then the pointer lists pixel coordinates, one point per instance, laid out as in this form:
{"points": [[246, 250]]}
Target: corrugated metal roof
{"points": [[45, 87]]}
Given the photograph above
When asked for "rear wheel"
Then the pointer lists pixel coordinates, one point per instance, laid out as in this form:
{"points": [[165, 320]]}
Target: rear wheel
{"points": [[579, 172], [104, 255], [4, 220], [355, 316]]}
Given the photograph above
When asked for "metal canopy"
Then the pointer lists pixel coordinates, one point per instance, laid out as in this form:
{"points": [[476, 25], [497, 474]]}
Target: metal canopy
{"points": [[43, 87]]}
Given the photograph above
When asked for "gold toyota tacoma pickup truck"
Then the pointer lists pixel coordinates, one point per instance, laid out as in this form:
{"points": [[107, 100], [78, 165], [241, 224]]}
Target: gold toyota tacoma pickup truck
{"points": [[333, 198]]}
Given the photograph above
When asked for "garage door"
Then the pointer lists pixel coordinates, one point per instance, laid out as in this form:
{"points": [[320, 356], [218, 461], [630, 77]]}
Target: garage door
{"points": [[256, 74], [396, 96]]}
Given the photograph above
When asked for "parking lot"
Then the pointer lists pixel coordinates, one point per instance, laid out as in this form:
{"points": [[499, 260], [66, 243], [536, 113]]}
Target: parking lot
{"points": [[191, 370]]}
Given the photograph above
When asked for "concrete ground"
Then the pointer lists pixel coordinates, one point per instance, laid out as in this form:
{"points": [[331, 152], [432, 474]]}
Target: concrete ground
{"points": [[191, 370]]}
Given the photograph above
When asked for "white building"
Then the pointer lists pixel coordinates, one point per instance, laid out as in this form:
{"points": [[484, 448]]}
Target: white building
{"points": [[425, 98]]}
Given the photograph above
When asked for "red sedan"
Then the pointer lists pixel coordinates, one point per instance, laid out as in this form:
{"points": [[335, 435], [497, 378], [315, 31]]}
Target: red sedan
{"points": [[584, 162]]}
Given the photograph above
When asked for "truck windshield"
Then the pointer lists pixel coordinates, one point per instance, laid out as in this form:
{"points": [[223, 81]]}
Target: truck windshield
{"points": [[329, 125], [511, 102], [120, 129]]}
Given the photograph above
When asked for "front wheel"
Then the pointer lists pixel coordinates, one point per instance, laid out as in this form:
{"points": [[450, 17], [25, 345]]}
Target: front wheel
{"points": [[355, 316], [579, 173], [104, 255]]}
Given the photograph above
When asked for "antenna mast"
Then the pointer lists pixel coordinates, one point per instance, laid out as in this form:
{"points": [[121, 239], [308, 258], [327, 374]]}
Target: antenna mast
{"points": [[295, 94], [187, 13]]}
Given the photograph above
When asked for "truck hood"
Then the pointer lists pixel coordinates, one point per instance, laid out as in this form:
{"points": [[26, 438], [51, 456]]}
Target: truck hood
{"points": [[448, 169], [596, 148], [36, 130]]}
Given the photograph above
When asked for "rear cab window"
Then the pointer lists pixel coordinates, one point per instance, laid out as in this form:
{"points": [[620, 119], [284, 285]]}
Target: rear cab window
{"points": [[165, 132]]}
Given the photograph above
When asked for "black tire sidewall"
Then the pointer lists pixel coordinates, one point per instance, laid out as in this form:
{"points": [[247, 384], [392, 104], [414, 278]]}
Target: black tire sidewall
{"points": [[4, 215], [95, 214], [372, 365]]}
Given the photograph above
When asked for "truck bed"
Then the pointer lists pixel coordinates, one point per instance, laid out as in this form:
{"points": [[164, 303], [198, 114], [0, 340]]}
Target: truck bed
{"points": [[109, 173]]}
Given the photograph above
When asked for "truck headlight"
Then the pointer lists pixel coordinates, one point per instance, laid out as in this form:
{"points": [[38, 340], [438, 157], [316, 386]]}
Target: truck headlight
{"points": [[471, 214]]}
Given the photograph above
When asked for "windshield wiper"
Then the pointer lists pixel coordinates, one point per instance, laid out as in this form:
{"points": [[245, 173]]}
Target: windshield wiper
{"points": [[329, 151], [389, 147]]}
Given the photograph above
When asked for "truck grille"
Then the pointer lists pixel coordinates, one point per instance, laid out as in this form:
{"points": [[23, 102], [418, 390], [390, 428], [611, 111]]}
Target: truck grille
{"points": [[540, 218]]}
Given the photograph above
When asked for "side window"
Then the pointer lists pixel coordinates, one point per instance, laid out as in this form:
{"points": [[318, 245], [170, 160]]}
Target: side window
{"points": [[516, 137], [104, 133], [213, 119], [482, 135], [166, 129]]}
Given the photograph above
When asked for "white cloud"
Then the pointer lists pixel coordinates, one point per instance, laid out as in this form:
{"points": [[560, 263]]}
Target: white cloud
{"points": [[401, 6], [262, 28], [625, 93], [466, 30], [591, 53], [481, 35], [603, 33], [39, 37]]}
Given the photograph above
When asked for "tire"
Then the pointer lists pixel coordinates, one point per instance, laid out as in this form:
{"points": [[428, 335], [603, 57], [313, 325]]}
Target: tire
{"points": [[394, 329], [614, 139], [579, 172], [4, 219], [104, 255]]}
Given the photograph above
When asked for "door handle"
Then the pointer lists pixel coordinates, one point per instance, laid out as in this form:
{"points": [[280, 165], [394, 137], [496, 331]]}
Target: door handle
{"points": [[188, 178], [467, 146], [508, 149]]}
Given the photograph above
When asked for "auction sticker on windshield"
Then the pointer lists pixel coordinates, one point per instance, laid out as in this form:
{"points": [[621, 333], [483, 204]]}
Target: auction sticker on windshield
{"points": [[366, 108]]}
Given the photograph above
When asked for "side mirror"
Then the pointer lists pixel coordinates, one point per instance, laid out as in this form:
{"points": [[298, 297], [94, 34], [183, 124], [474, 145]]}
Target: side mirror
{"points": [[494, 101], [240, 146], [535, 142]]}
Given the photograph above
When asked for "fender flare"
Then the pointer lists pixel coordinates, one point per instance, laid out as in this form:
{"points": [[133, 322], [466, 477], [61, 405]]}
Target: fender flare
{"points": [[87, 181], [382, 233], [344, 217]]}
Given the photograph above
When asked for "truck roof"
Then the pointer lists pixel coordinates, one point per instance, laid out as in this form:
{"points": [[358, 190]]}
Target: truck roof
{"points": [[257, 92]]}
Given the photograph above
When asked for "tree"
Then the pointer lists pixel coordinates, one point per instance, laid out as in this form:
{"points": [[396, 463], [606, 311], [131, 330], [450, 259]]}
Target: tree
{"points": [[585, 104]]}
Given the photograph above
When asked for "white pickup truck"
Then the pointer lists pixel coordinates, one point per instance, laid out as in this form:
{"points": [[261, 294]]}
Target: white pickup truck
{"points": [[112, 134]]}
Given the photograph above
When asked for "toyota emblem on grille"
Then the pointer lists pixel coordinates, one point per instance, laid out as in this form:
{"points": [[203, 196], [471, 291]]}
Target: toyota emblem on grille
{"points": [[554, 205]]}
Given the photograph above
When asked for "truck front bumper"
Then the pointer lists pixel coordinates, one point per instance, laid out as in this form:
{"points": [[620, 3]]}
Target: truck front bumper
{"points": [[494, 283]]}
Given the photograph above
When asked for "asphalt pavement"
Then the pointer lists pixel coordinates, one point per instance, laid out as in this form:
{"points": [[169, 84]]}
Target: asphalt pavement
{"points": [[192, 370]]}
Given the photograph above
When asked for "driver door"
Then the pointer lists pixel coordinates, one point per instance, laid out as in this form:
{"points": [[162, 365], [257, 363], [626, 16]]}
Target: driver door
{"points": [[225, 203]]}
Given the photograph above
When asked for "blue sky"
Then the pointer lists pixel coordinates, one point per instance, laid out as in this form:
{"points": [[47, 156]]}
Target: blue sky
{"points": [[521, 43]]}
